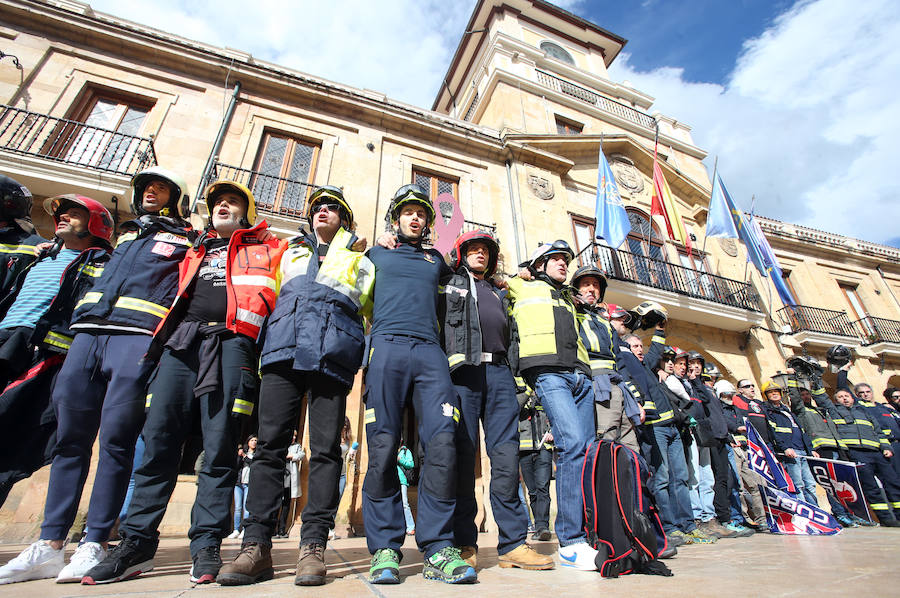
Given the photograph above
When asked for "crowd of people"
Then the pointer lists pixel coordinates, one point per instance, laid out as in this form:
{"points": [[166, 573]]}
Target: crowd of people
{"points": [[175, 329]]}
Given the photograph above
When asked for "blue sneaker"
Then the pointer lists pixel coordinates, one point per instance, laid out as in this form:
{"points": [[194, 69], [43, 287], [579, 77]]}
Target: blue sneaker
{"points": [[845, 521]]}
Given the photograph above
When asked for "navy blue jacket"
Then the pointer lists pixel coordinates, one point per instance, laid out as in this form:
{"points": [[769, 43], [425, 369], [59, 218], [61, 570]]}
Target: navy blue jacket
{"points": [[16, 254], [316, 323], [786, 430], [140, 281], [657, 408]]}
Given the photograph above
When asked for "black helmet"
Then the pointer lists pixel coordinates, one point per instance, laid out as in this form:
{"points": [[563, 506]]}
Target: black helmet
{"points": [[838, 356], [710, 370], [805, 365], [696, 356], [590, 270], [648, 314], [411, 194], [15, 199]]}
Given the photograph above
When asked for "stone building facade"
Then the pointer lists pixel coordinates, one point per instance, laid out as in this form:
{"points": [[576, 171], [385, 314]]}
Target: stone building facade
{"points": [[514, 135]]}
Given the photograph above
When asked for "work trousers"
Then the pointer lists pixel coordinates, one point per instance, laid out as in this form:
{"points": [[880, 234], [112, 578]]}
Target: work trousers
{"points": [[537, 469], [487, 392], [100, 388], [280, 400], [874, 463], [718, 459], [403, 369], [172, 410]]}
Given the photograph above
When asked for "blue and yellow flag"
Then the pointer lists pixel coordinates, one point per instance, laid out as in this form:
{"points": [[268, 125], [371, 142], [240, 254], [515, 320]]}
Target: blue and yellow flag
{"points": [[612, 221]]}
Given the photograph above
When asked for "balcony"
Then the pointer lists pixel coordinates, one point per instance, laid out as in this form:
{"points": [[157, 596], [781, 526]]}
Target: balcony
{"points": [[879, 334], [723, 303], [274, 195], [817, 326], [593, 98], [471, 225], [73, 143]]}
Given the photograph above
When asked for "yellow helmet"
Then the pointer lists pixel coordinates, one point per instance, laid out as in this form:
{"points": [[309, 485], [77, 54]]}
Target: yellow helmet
{"points": [[769, 386], [223, 186], [330, 194]]}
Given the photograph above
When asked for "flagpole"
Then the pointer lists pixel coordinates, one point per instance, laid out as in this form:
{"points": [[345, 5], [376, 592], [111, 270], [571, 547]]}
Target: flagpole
{"points": [[747, 265], [705, 236], [650, 220]]}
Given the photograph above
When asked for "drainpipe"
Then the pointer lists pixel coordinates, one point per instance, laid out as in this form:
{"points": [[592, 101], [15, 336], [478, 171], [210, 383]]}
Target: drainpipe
{"points": [[217, 145], [512, 206]]}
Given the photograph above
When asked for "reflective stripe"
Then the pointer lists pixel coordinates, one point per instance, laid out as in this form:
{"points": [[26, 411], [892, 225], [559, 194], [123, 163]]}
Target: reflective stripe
{"points": [[862, 442], [817, 442], [839, 421], [253, 281], [606, 364], [658, 339], [58, 340], [243, 407], [879, 506], [739, 438], [147, 401], [92, 271], [649, 405], [245, 315], [525, 443], [148, 307], [863, 422], [793, 383], [8, 248], [896, 505], [662, 418], [456, 415], [455, 359], [370, 416], [782, 429], [348, 272], [92, 297], [125, 237]]}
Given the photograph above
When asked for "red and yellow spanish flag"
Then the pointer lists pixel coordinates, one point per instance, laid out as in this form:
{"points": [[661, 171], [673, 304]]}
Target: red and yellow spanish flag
{"points": [[664, 211]]}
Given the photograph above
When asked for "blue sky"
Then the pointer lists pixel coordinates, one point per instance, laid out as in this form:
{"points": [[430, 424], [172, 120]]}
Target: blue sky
{"points": [[798, 99]]}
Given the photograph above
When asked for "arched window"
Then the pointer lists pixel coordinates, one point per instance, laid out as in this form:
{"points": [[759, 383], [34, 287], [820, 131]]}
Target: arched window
{"points": [[558, 52], [644, 242]]}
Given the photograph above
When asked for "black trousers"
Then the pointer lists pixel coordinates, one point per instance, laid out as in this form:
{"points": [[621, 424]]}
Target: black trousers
{"points": [[280, 398], [537, 468], [718, 460]]}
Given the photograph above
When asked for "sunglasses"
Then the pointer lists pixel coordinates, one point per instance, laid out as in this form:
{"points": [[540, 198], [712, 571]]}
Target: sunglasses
{"points": [[748, 386], [331, 207]]}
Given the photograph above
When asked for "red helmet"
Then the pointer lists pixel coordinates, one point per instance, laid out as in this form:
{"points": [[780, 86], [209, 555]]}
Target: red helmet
{"points": [[100, 223], [616, 311], [481, 236]]}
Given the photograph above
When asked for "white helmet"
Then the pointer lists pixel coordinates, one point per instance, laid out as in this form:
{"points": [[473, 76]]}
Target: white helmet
{"points": [[179, 201], [724, 387]]}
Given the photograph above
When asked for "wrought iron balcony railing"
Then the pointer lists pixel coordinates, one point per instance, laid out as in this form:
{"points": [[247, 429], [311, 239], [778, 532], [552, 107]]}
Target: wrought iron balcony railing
{"points": [[628, 266], [802, 318], [878, 330], [73, 142], [470, 225], [274, 195], [595, 99]]}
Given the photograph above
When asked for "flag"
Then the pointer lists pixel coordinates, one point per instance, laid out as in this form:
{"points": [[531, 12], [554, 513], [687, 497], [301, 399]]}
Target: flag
{"points": [[840, 480], [612, 219], [770, 262], [662, 205], [763, 462], [788, 515], [720, 222]]}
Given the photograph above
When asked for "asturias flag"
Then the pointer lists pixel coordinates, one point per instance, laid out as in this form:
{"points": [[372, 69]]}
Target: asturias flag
{"points": [[612, 219]]}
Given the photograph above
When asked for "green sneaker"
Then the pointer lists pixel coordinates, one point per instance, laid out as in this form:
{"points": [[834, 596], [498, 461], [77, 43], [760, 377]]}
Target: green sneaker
{"points": [[700, 537], [685, 538], [385, 567], [448, 566]]}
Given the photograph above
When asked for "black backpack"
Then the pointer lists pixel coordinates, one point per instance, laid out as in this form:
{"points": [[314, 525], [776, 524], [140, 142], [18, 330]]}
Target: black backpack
{"points": [[620, 517]]}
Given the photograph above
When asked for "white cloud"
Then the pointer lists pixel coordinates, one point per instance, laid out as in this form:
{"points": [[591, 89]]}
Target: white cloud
{"points": [[808, 121], [398, 47]]}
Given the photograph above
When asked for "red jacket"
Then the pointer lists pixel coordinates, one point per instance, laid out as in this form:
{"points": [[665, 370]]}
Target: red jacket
{"points": [[251, 281]]}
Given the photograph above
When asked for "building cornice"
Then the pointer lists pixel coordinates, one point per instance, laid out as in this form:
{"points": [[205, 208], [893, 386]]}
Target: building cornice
{"points": [[828, 242]]}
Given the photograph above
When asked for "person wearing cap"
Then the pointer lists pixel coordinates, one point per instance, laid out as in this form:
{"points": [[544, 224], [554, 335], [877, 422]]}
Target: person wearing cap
{"points": [[406, 363], [744, 477], [553, 361], [617, 408], [101, 393], [790, 443], [18, 239], [205, 349], [477, 338], [711, 435], [312, 350], [35, 335]]}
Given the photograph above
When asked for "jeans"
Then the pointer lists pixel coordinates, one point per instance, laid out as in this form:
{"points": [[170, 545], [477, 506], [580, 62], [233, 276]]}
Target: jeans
{"points": [[240, 504], [138, 457], [537, 467], [280, 398], [701, 481], [802, 476], [407, 512], [669, 483], [737, 515], [568, 399]]}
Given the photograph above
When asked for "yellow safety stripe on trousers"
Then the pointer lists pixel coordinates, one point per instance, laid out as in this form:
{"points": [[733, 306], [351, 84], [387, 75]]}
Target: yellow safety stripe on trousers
{"points": [[148, 307], [92, 271], [242, 407], [92, 297], [9, 248], [606, 364], [248, 280], [896, 505], [862, 442], [455, 359], [58, 340], [370, 416], [147, 401], [879, 506], [662, 418]]}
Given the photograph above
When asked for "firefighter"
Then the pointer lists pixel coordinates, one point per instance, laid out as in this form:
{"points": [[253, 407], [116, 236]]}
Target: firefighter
{"points": [[406, 362], [312, 350], [535, 457], [18, 240], [35, 335], [100, 390], [477, 339], [205, 349]]}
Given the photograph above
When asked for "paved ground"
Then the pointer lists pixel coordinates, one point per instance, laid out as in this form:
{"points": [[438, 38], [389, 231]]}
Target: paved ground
{"points": [[857, 562]]}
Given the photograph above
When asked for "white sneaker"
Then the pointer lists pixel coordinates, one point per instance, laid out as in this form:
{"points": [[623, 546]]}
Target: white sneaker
{"points": [[241, 535], [233, 535], [86, 557], [38, 561], [578, 556]]}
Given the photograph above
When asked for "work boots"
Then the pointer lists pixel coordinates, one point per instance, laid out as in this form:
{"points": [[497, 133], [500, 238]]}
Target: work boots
{"points": [[524, 556], [253, 564], [311, 565]]}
